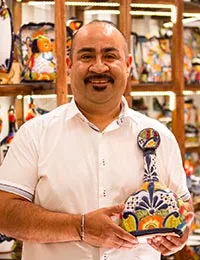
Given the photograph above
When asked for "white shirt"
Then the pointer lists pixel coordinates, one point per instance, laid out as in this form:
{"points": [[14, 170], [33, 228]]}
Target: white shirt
{"points": [[63, 163]]}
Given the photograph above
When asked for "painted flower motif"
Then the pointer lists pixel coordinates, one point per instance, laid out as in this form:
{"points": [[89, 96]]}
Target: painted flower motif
{"points": [[150, 222], [153, 206], [129, 224], [172, 221], [151, 201]]}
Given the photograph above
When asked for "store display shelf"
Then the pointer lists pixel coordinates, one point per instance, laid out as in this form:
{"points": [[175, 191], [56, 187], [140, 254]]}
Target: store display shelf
{"points": [[190, 7], [152, 87], [153, 2], [192, 87], [192, 149], [27, 89]]}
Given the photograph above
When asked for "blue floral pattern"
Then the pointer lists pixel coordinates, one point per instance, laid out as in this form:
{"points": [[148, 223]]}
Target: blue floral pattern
{"points": [[153, 208]]}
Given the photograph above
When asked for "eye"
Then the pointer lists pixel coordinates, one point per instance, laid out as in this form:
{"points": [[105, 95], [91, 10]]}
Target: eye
{"points": [[110, 56], [86, 57]]}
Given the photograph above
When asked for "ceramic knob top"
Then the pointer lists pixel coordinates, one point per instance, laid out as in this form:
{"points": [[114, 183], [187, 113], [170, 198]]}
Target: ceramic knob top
{"points": [[148, 139]]}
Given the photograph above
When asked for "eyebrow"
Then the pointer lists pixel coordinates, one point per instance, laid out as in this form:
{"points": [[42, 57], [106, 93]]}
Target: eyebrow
{"points": [[104, 50]]}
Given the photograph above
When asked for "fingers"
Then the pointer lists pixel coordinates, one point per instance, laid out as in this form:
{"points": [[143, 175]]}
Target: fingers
{"points": [[163, 245], [120, 243], [190, 218], [122, 234], [179, 241], [120, 240], [169, 244], [157, 245], [102, 231], [117, 209]]}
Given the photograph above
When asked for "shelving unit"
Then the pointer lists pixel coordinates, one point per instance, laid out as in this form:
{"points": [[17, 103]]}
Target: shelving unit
{"points": [[27, 89], [192, 149], [137, 87], [177, 85]]}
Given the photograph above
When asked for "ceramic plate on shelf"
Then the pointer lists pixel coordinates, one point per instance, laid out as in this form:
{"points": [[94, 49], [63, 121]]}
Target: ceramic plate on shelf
{"points": [[37, 50], [36, 46], [7, 38]]}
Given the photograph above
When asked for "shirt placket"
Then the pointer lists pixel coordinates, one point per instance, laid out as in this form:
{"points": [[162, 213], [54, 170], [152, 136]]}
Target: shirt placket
{"points": [[103, 173], [103, 169]]}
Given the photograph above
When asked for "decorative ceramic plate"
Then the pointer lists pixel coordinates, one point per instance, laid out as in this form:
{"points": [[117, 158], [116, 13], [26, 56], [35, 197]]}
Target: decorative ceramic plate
{"points": [[7, 38], [36, 45], [37, 52]]}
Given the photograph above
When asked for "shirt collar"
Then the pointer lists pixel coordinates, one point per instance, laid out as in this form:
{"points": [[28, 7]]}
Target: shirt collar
{"points": [[72, 110], [125, 112]]}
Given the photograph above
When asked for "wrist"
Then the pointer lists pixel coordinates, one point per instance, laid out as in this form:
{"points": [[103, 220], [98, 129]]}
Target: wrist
{"points": [[82, 227], [76, 223]]}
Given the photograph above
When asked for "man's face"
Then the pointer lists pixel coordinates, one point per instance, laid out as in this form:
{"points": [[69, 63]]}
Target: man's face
{"points": [[99, 65]]}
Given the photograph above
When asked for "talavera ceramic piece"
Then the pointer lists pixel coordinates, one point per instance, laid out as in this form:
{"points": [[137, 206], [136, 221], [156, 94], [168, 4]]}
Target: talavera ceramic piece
{"points": [[153, 209], [37, 52], [7, 244], [37, 49], [7, 38]]}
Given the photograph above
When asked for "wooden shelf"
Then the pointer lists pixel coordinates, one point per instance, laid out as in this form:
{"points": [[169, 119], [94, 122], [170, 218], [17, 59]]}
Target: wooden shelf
{"points": [[191, 7], [49, 88], [162, 87], [152, 87], [194, 149], [27, 89], [192, 87], [153, 2]]}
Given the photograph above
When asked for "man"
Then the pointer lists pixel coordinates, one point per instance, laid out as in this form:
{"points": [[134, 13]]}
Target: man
{"points": [[67, 173]]}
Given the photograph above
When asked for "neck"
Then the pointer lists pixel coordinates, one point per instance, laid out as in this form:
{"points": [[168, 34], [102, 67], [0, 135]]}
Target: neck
{"points": [[101, 117]]}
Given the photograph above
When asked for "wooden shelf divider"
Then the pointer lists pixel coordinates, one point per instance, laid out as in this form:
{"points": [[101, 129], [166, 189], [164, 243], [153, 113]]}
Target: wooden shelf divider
{"points": [[192, 149]]}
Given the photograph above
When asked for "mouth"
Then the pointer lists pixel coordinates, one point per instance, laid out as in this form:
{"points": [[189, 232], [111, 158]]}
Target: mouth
{"points": [[99, 88], [99, 82]]}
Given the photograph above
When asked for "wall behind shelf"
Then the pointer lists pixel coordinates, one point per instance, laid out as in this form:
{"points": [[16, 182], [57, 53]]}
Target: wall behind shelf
{"points": [[43, 13]]}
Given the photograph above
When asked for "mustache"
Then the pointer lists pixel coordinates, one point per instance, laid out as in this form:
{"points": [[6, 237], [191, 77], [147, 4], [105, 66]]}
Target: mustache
{"points": [[98, 76]]}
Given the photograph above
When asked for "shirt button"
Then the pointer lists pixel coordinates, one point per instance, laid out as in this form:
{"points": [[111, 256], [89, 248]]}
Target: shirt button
{"points": [[103, 162], [104, 193]]}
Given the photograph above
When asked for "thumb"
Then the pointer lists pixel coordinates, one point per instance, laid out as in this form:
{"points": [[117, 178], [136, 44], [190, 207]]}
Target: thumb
{"points": [[115, 210]]}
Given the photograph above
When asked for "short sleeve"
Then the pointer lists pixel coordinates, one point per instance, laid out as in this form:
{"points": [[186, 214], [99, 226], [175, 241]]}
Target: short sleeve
{"points": [[177, 176], [18, 172]]}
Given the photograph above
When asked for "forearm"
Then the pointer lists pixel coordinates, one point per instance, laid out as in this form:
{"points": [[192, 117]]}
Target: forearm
{"points": [[24, 220]]}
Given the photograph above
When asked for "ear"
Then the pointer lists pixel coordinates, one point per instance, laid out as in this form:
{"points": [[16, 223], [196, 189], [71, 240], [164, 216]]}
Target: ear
{"points": [[129, 61], [69, 62]]}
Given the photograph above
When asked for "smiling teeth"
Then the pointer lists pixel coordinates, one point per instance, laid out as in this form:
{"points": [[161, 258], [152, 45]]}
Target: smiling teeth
{"points": [[98, 82]]}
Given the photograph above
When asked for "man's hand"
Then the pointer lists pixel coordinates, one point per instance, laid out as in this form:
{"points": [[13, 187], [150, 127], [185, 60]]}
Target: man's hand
{"points": [[102, 231], [170, 244]]}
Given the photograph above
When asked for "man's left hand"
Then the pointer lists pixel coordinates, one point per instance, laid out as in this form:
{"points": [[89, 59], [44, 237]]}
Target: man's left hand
{"points": [[170, 244]]}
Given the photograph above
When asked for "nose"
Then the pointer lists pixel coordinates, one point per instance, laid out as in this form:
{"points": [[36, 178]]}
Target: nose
{"points": [[98, 66]]}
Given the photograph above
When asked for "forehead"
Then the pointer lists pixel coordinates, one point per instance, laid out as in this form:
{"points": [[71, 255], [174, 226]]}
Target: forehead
{"points": [[99, 36]]}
